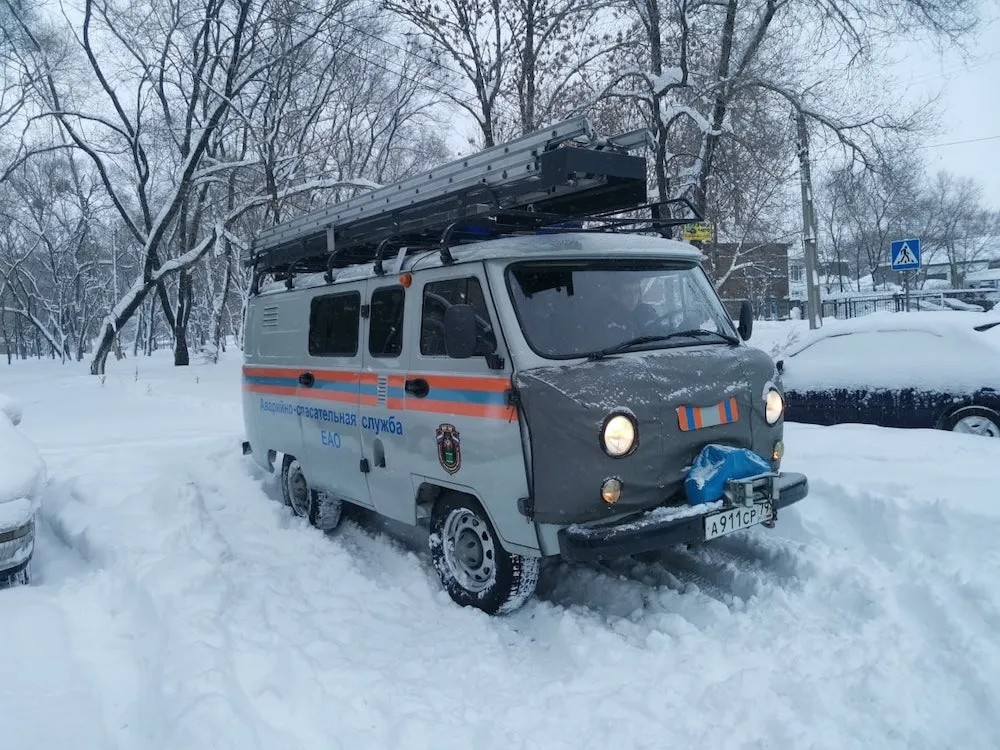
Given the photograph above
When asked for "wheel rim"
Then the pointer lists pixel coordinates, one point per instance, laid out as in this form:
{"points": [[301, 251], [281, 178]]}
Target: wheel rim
{"points": [[978, 426], [298, 491], [469, 550]]}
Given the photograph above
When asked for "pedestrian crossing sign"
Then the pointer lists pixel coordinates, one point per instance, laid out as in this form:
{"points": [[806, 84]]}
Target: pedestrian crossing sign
{"points": [[905, 255]]}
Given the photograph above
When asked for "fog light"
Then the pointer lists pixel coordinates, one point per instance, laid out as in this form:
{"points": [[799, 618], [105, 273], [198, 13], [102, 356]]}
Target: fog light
{"points": [[779, 451], [611, 491]]}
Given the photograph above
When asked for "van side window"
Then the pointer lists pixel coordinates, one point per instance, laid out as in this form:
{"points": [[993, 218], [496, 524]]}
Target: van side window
{"points": [[438, 296], [385, 335], [333, 325]]}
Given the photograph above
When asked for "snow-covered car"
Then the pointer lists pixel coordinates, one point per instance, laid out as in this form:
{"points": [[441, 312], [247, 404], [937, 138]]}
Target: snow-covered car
{"points": [[22, 472], [936, 370]]}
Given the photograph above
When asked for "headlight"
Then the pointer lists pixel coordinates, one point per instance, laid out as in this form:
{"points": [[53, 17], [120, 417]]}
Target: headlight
{"points": [[618, 436], [773, 406]]}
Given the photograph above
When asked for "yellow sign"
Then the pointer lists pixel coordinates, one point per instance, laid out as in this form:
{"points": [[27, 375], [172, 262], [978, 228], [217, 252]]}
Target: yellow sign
{"points": [[698, 233]]}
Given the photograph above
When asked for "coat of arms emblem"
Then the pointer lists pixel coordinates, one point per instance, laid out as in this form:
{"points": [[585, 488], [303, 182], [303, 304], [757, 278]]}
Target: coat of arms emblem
{"points": [[449, 448]]}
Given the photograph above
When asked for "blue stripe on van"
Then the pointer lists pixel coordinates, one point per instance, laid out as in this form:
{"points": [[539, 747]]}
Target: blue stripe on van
{"points": [[468, 396], [261, 380], [333, 385]]}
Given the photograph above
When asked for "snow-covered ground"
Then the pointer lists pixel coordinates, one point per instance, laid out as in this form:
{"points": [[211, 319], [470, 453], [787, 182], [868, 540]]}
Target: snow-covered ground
{"points": [[177, 605]]}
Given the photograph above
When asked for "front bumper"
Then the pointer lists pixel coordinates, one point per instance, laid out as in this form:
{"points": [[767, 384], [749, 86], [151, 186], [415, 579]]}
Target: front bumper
{"points": [[661, 527], [17, 543]]}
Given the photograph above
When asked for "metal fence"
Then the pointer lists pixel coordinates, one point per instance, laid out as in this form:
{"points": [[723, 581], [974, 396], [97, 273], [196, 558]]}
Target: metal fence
{"points": [[943, 299], [766, 308], [772, 308]]}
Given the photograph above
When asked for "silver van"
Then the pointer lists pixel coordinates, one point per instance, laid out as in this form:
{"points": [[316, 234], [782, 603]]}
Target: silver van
{"points": [[522, 383]]}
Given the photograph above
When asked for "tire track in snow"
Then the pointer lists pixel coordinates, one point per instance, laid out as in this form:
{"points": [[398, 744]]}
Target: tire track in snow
{"points": [[169, 440], [730, 574]]}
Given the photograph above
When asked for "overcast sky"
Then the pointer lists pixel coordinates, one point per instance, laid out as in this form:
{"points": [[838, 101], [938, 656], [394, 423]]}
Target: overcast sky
{"points": [[970, 105]]}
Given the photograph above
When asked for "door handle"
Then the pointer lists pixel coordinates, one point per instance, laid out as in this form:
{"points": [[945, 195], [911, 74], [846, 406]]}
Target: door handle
{"points": [[307, 379], [418, 387]]}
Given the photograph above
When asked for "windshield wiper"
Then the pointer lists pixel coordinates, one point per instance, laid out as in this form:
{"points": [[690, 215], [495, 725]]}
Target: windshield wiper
{"points": [[638, 340]]}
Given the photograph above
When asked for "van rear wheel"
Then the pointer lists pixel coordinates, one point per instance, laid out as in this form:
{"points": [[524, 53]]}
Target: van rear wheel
{"points": [[473, 565], [319, 508]]}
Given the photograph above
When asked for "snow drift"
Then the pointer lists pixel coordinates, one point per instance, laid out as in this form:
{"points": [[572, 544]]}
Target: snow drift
{"points": [[178, 605]]}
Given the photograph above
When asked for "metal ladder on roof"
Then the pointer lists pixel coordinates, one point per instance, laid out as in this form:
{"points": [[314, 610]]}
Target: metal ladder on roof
{"points": [[557, 174]]}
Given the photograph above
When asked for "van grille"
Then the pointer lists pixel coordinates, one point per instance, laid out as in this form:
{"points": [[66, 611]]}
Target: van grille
{"points": [[382, 389], [269, 318]]}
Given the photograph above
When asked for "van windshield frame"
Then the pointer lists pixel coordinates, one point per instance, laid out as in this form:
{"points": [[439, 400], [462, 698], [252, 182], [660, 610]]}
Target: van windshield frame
{"points": [[571, 308]]}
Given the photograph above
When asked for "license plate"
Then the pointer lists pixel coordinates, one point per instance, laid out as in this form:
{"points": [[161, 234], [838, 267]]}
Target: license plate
{"points": [[735, 519]]}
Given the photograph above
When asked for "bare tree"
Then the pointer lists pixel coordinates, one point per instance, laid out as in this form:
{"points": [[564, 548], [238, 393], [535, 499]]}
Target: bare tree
{"points": [[750, 200], [151, 141], [27, 49], [960, 227], [51, 257], [511, 64], [835, 241], [470, 35], [874, 207], [702, 61]]}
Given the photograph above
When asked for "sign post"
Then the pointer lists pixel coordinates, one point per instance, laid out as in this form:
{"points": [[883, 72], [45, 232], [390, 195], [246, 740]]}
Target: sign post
{"points": [[904, 256]]}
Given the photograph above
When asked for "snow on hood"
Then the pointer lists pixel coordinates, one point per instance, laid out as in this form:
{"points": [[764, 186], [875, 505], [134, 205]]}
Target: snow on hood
{"points": [[928, 350], [945, 323], [22, 469]]}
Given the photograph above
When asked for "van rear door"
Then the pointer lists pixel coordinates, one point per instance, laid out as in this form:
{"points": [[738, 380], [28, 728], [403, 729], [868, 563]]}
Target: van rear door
{"points": [[329, 395]]}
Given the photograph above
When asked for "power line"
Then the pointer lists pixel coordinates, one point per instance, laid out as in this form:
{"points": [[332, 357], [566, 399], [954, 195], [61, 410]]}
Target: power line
{"points": [[451, 95], [383, 64], [968, 140], [946, 75]]}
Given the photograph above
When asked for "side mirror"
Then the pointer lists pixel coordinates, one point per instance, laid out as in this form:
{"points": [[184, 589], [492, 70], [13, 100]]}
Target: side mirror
{"points": [[460, 331], [780, 365], [746, 320]]}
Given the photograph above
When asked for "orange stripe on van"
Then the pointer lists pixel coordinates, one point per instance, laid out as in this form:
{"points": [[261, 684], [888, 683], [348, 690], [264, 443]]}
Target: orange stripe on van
{"points": [[335, 376], [462, 409], [472, 383]]}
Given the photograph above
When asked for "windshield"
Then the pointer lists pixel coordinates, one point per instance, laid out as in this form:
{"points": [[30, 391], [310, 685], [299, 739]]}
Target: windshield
{"points": [[578, 308]]}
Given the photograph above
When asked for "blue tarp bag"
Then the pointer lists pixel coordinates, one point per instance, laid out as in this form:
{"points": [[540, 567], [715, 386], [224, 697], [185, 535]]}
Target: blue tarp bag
{"points": [[716, 465]]}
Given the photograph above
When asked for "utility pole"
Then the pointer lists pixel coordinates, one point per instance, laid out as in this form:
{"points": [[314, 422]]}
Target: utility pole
{"points": [[808, 226]]}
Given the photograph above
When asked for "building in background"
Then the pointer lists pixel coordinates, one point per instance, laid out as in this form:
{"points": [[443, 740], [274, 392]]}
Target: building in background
{"points": [[760, 275]]}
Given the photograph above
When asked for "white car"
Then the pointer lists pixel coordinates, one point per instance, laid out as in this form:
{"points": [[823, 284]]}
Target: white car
{"points": [[22, 473]]}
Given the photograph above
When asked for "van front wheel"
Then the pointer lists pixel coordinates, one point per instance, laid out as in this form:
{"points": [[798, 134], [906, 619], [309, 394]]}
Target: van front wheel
{"points": [[321, 510], [474, 568]]}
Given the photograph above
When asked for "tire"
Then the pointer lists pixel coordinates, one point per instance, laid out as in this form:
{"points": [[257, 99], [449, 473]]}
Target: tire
{"points": [[974, 420], [18, 577], [474, 567], [318, 508]]}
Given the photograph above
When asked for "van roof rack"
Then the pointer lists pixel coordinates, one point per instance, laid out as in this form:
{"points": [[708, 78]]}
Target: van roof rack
{"points": [[560, 178]]}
